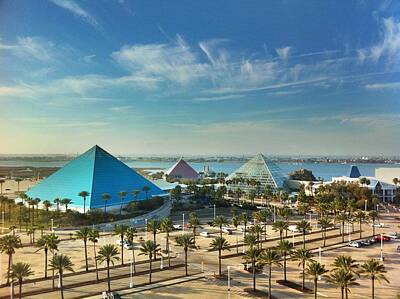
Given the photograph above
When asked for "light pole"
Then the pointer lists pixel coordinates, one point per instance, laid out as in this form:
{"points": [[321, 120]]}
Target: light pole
{"points": [[319, 254], [145, 220], [348, 228], [11, 287], [214, 211], [365, 205], [243, 248], [202, 266], [229, 278], [162, 263], [52, 225], [381, 247], [131, 270], [274, 213]]}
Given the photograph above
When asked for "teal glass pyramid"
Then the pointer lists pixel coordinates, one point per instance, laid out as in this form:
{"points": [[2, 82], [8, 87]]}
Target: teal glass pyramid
{"points": [[97, 172]]}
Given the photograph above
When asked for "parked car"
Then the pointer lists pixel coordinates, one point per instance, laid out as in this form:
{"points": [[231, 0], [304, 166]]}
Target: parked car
{"points": [[210, 223], [227, 230], [379, 225], [395, 235], [177, 226], [384, 238], [127, 244], [355, 244], [205, 234], [367, 242]]}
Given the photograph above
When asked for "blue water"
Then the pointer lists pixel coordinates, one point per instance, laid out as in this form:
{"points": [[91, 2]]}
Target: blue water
{"points": [[323, 170]]}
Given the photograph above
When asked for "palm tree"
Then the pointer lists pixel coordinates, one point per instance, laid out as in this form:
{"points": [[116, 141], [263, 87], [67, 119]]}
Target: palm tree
{"points": [[122, 195], [94, 236], [106, 197], [121, 230], [57, 202], [19, 272], [130, 234], [185, 241], [135, 194], [342, 218], [235, 223], [153, 226], [285, 248], [252, 255], [47, 204], [84, 234], [84, 195], [146, 190], [360, 216], [303, 226], [8, 244], [194, 222], [60, 263], [257, 230], [314, 271], [271, 258], [345, 262], [325, 223], [250, 240], [46, 243], [280, 226], [108, 253], [148, 248], [18, 180], [373, 270], [244, 218], [220, 244], [343, 279], [302, 255], [66, 202], [373, 215], [166, 227], [220, 221]]}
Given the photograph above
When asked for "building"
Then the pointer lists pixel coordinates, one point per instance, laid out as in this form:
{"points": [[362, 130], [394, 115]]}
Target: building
{"points": [[97, 172], [182, 170], [258, 169], [353, 172], [387, 174]]}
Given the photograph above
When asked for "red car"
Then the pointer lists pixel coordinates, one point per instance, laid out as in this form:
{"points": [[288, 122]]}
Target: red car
{"points": [[384, 238]]}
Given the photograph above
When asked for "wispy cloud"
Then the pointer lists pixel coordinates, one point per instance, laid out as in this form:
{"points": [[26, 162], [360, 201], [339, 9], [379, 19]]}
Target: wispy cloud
{"points": [[121, 109], [284, 52], [218, 98], [77, 10], [390, 85]]}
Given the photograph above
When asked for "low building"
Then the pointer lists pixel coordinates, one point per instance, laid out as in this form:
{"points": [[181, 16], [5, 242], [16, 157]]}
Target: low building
{"points": [[387, 174], [182, 170]]}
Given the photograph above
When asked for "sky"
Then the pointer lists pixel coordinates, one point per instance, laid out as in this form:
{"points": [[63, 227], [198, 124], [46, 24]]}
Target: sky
{"points": [[200, 77]]}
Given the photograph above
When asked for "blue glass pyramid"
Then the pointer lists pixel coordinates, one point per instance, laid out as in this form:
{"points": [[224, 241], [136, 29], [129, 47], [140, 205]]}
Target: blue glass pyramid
{"points": [[97, 172], [353, 172]]}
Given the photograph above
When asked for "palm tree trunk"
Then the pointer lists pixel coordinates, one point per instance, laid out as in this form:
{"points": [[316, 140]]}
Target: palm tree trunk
{"points": [[52, 272], [342, 232], [254, 274], [169, 258], [304, 240], [237, 243], [194, 236], [86, 259], [342, 291], [84, 205], [315, 287], [108, 276], [154, 239], [150, 270], [284, 266], [20, 289], [45, 263], [122, 249], [324, 237], [9, 268], [186, 272], [219, 262], [373, 288], [269, 282], [303, 277], [360, 230], [61, 286], [95, 261]]}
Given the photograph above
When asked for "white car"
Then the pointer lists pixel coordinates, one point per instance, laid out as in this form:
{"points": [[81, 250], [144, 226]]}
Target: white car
{"points": [[227, 230], [177, 226], [379, 225], [205, 234], [394, 235], [127, 245], [355, 244]]}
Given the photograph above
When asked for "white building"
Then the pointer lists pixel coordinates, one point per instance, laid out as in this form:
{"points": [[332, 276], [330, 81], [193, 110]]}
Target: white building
{"points": [[387, 174]]}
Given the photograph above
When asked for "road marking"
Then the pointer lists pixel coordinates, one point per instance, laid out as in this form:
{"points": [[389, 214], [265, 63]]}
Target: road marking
{"points": [[323, 295]]}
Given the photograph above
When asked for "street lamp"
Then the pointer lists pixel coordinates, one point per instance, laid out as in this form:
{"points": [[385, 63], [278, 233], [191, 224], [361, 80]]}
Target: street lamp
{"points": [[183, 223], [381, 247], [52, 225], [131, 270], [319, 254], [365, 205], [229, 278], [162, 263], [11, 287], [214, 211], [274, 213]]}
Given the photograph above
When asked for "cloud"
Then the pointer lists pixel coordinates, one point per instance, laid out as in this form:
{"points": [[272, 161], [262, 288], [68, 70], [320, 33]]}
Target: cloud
{"points": [[284, 52], [218, 98], [121, 108], [390, 85], [31, 47], [77, 10], [89, 58]]}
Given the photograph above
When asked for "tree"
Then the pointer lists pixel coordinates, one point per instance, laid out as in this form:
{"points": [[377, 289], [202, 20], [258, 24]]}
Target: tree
{"points": [[57, 202], [84, 195], [280, 226], [235, 223], [84, 234], [153, 226], [373, 215], [106, 197], [252, 255], [166, 227], [108, 253], [148, 248], [271, 258], [19, 272], [303, 226], [244, 218], [8, 244], [194, 222], [220, 221], [130, 235], [360, 216], [146, 190], [47, 204], [46, 243], [345, 262], [220, 244], [120, 229], [302, 255], [314, 271], [373, 270], [18, 180], [122, 195], [285, 248], [66, 202], [325, 223], [185, 241], [257, 231], [60, 263], [176, 193], [343, 279], [342, 218], [94, 236], [135, 194]]}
